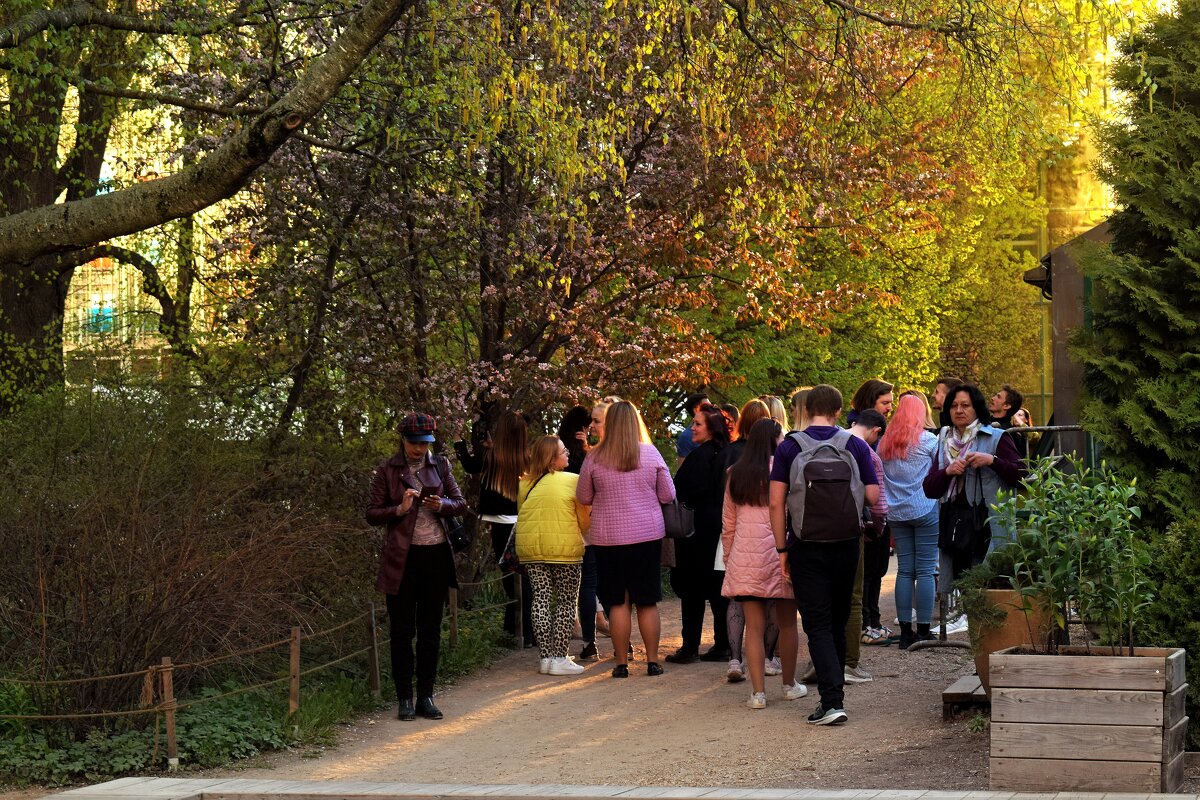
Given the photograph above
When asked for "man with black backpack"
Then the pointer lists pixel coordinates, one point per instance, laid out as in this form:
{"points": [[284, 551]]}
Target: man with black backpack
{"points": [[820, 481]]}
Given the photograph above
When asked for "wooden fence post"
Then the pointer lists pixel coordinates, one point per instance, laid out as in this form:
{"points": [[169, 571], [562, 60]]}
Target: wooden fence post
{"points": [[453, 618], [518, 613], [372, 652], [294, 674], [168, 706]]}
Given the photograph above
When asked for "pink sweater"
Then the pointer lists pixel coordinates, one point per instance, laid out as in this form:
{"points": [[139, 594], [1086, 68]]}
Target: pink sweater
{"points": [[626, 505], [751, 563]]}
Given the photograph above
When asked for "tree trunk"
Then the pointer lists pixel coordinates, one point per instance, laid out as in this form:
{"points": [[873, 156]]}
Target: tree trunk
{"points": [[33, 300]]}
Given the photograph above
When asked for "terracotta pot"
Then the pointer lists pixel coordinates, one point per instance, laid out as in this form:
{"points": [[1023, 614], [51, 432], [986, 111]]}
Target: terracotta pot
{"points": [[1017, 629]]}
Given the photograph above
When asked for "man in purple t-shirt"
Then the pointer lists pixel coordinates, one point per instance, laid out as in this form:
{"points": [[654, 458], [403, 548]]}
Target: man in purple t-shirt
{"points": [[822, 573]]}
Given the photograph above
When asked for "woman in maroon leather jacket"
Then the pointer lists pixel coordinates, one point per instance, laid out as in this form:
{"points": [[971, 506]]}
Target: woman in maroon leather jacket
{"points": [[413, 493]]}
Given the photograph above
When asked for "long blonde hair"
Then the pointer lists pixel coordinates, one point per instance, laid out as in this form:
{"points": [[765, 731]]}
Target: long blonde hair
{"points": [[508, 456], [778, 412], [624, 434]]}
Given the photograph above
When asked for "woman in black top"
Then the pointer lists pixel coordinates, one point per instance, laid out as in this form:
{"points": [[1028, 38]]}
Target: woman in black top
{"points": [[574, 430], [700, 485], [500, 467]]}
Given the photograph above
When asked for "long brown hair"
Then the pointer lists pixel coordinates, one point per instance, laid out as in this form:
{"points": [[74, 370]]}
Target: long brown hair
{"points": [[749, 478], [542, 456], [752, 412], [507, 458], [624, 435]]}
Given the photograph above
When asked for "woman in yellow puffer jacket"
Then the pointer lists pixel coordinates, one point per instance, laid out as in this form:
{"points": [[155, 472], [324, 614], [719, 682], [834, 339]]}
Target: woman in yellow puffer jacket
{"points": [[549, 543]]}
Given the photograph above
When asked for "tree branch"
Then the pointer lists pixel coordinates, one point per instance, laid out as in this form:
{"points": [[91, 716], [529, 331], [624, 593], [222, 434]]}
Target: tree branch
{"points": [[956, 31], [83, 15], [152, 284], [238, 111], [219, 175]]}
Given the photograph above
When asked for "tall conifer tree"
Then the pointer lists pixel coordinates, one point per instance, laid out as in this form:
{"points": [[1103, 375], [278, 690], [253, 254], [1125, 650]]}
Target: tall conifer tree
{"points": [[1142, 354]]}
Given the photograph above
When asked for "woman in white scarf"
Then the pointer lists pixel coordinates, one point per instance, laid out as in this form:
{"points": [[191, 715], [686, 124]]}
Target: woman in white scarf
{"points": [[973, 462]]}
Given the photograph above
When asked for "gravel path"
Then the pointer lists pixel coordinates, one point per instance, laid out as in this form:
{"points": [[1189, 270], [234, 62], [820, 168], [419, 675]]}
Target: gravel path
{"points": [[509, 724]]}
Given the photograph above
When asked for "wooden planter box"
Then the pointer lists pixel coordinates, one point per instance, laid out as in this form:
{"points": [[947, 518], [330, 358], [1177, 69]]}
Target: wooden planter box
{"points": [[1088, 722]]}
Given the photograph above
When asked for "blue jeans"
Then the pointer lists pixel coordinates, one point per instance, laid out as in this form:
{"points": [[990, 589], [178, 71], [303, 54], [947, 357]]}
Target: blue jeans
{"points": [[916, 563]]}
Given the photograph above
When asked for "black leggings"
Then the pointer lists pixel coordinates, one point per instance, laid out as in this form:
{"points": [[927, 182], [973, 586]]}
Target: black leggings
{"points": [[416, 610]]}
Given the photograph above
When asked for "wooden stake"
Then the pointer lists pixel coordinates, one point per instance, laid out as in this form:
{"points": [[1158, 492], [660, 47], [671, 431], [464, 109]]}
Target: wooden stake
{"points": [[294, 674], [519, 614], [168, 706], [372, 653], [453, 617]]}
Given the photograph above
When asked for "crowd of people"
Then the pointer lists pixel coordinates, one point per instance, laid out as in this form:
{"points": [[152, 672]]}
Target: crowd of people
{"points": [[794, 521]]}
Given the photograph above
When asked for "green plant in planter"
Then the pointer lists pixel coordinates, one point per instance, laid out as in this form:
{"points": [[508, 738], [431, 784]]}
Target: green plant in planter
{"points": [[988, 612], [1075, 548]]}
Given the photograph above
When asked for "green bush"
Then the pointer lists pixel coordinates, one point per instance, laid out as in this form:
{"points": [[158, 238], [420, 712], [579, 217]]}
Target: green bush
{"points": [[1172, 619], [137, 525], [208, 735]]}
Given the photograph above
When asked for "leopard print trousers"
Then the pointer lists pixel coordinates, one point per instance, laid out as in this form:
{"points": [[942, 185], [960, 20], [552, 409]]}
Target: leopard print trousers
{"points": [[555, 596]]}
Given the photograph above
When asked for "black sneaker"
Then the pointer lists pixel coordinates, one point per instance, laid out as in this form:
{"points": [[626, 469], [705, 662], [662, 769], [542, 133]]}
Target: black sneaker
{"points": [[621, 671], [720, 654], [654, 668], [588, 653], [824, 716], [682, 656]]}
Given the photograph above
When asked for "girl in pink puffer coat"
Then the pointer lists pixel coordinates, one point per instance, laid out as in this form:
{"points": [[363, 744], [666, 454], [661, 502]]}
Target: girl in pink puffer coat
{"points": [[753, 575]]}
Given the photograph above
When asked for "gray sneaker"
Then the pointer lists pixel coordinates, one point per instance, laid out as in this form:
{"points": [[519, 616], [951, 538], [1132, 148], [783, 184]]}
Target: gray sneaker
{"points": [[827, 716], [857, 675], [808, 674]]}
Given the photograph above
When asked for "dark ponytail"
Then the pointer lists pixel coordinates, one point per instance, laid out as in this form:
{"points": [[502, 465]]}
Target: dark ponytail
{"points": [[749, 478]]}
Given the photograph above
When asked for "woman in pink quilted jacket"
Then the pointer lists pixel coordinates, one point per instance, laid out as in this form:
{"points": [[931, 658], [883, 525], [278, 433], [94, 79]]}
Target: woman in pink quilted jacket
{"points": [[752, 572]]}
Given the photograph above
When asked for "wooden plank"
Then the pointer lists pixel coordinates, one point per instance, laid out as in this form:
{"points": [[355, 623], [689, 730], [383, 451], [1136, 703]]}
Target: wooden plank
{"points": [[1093, 742], [1174, 705], [962, 689], [1176, 674], [1078, 672], [1056, 775], [1173, 774], [1079, 706], [1174, 738]]}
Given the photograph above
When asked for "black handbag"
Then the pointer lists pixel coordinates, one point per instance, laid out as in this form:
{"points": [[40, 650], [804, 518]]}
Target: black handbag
{"points": [[962, 527], [456, 532], [680, 521]]}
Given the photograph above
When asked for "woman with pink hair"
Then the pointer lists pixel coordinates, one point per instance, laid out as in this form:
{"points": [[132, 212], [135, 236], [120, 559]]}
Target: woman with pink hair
{"points": [[907, 450]]}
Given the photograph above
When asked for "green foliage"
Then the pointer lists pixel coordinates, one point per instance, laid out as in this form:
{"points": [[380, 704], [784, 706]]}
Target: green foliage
{"points": [[993, 573], [978, 723], [1141, 369], [1172, 621], [208, 736], [1075, 547], [137, 525], [1140, 365]]}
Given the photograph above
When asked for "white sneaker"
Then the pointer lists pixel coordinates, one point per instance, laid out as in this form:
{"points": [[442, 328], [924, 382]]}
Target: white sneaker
{"points": [[544, 666], [795, 691], [564, 666], [735, 674], [857, 675], [955, 625], [772, 666], [757, 700]]}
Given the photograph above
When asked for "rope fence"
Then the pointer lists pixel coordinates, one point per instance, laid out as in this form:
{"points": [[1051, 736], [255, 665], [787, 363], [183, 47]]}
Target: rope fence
{"points": [[159, 678]]}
